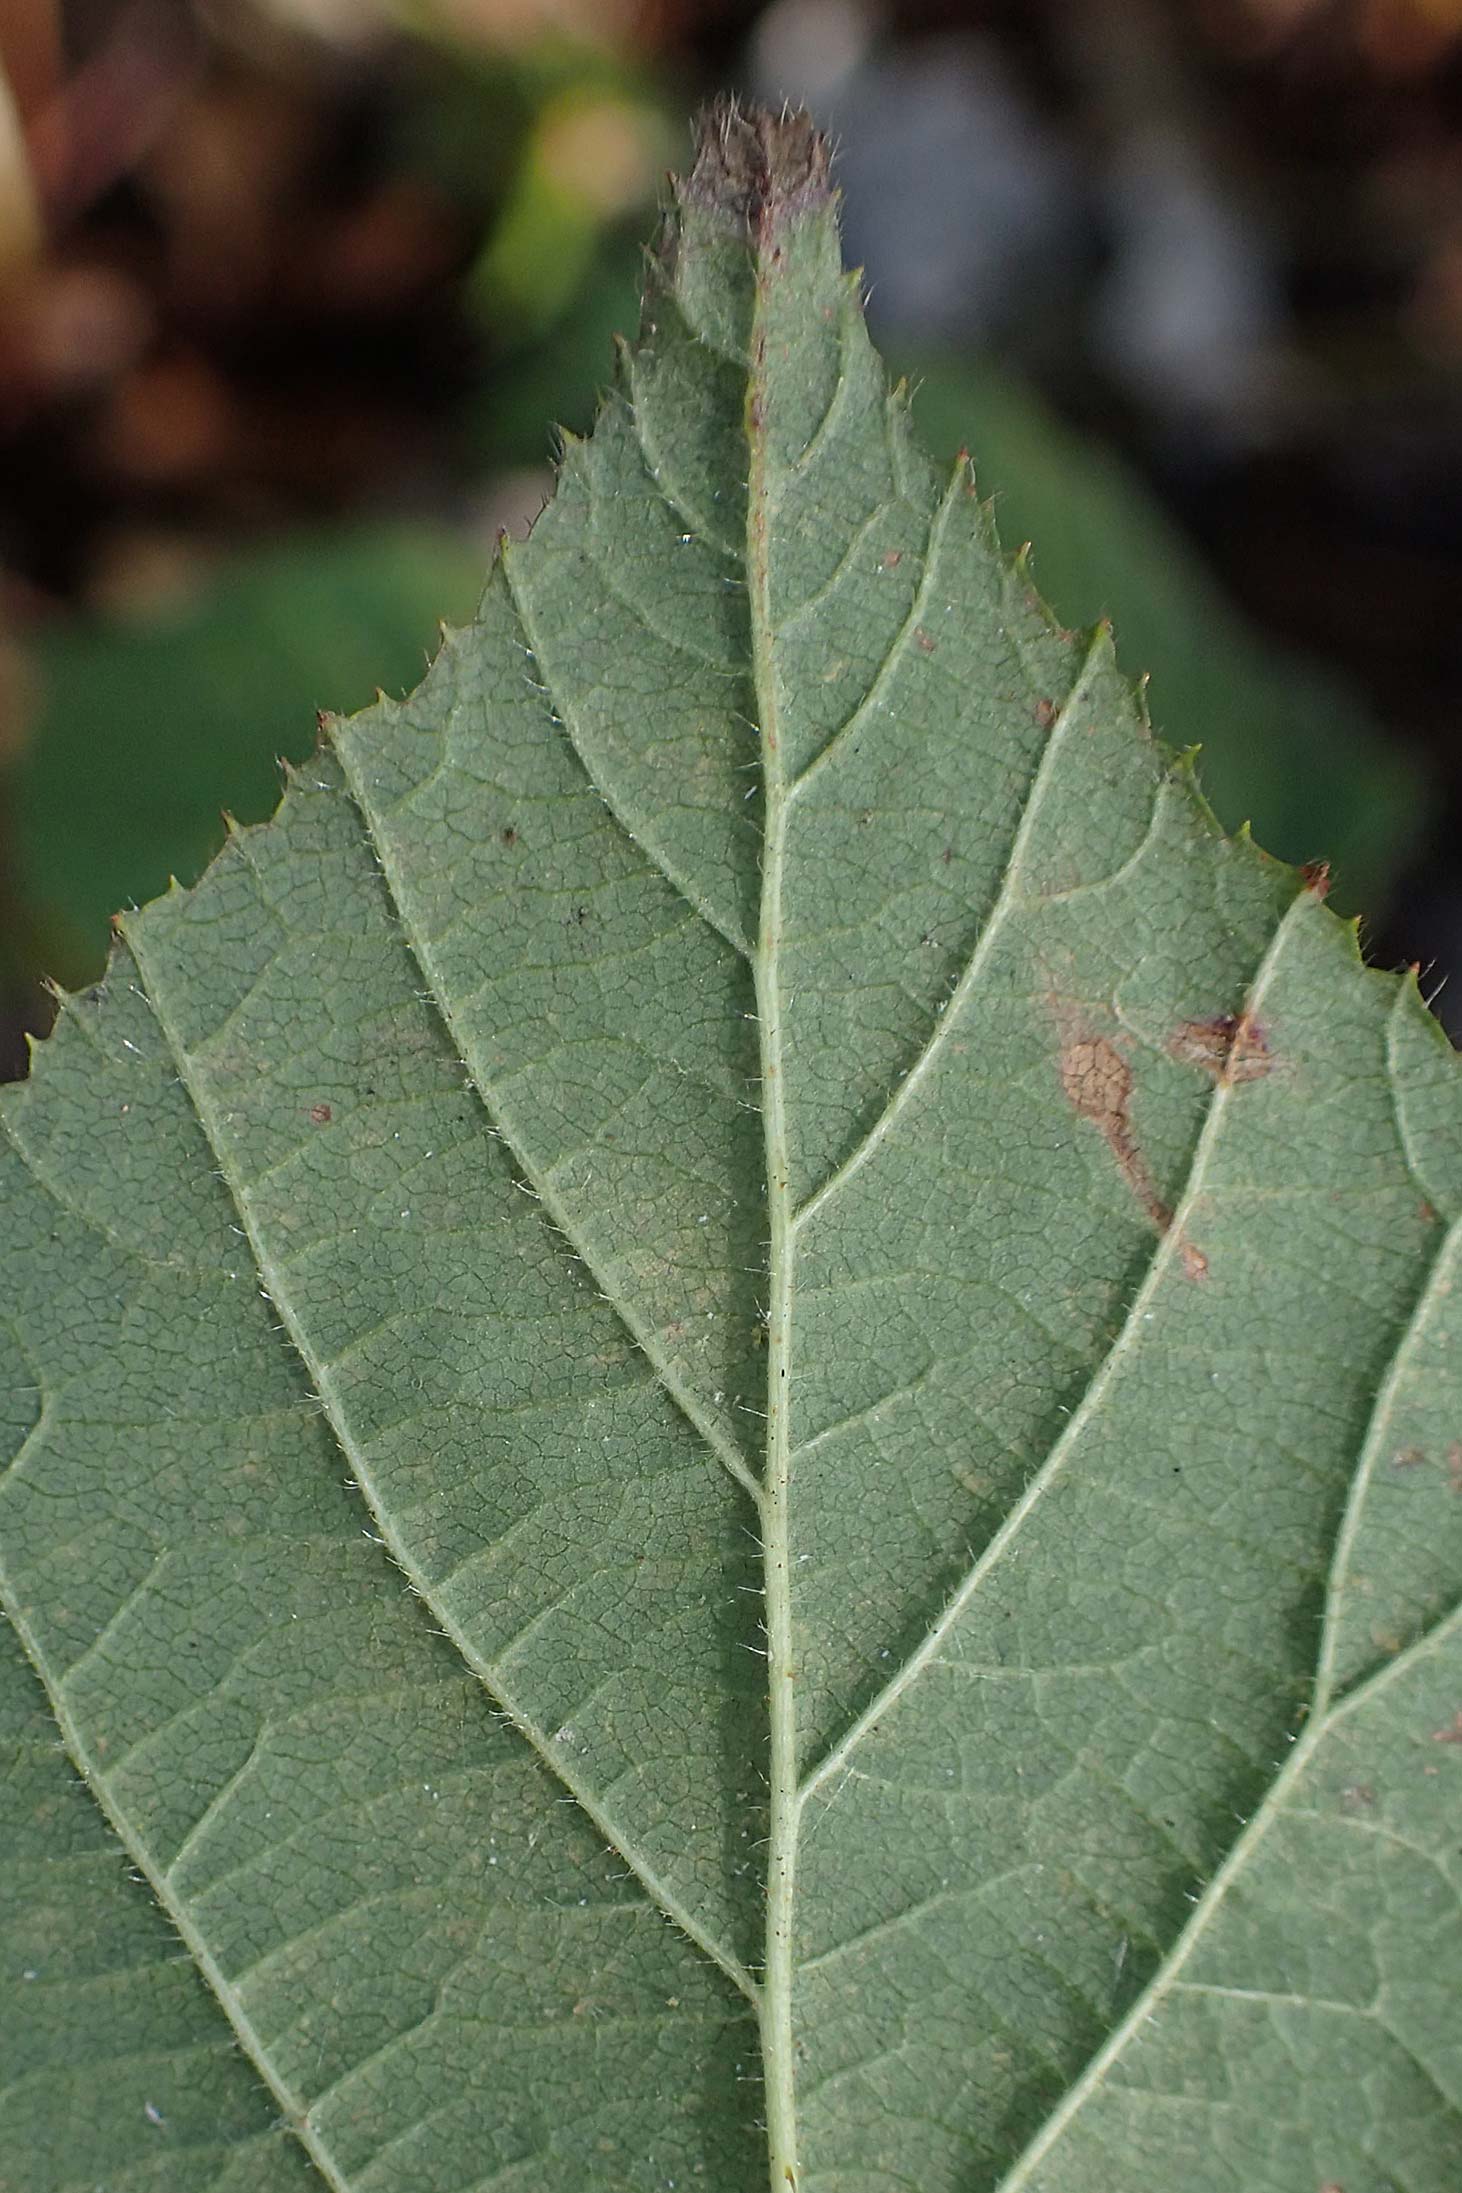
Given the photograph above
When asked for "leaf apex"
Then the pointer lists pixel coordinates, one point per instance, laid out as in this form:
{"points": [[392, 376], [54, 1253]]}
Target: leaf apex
{"points": [[756, 168]]}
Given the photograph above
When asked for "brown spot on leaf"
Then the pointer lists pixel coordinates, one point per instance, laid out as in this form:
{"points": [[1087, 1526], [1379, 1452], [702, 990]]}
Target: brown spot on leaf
{"points": [[1451, 1734], [1230, 1046], [758, 167], [1195, 1263], [892, 558], [922, 640], [1454, 1465], [1097, 1082], [321, 1115], [510, 835], [1046, 713], [1317, 877]]}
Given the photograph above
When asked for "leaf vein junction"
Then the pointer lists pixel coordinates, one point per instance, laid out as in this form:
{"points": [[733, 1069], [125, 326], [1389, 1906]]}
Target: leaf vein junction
{"points": [[322, 1383], [1166, 1249], [1003, 904]]}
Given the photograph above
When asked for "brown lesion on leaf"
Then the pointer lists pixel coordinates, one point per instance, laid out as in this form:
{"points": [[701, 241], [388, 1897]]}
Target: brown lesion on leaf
{"points": [[1097, 1083], [923, 641], [1046, 713], [758, 165], [1452, 1733], [1232, 1047], [1454, 1466]]}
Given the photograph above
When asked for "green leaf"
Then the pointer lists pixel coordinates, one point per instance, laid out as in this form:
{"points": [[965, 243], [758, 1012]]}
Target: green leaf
{"points": [[146, 728], [736, 1384]]}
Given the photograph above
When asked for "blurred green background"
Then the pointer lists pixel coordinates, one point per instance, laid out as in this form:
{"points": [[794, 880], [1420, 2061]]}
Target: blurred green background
{"points": [[293, 291]]}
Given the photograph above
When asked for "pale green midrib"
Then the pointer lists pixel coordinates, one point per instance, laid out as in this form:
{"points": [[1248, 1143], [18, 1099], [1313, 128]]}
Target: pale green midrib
{"points": [[1004, 903], [645, 1339], [778, 2054], [1167, 1246], [1270, 1808], [293, 2107], [322, 1384]]}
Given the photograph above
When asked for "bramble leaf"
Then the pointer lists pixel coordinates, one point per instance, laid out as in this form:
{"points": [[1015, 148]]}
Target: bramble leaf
{"points": [[735, 1395]]}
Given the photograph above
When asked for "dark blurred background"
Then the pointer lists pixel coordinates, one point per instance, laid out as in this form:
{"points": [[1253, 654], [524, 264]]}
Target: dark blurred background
{"points": [[291, 292]]}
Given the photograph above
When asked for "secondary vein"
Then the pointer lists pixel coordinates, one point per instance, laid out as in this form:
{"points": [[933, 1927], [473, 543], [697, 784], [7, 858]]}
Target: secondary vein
{"points": [[1004, 903], [91, 1772], [323, 1384], [1168, 1247], [646, 1341]]}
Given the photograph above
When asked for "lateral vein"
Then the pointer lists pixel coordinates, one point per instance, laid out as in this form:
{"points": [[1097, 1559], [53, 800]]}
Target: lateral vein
{"points": [[1168, 1978], [1004, 903], [320, 1374], [1438, 1279], [1167, 1248], [563, 716], [902, 640], [91, 1775], [714, 1436]]}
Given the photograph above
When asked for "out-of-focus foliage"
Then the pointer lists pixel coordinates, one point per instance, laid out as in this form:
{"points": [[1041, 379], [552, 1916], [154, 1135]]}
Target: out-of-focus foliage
{"points": [[268, 265], [1285, 744], [142, 733]]}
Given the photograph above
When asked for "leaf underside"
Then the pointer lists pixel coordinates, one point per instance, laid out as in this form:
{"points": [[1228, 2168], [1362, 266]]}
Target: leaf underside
{"points": [[734, 1396]]}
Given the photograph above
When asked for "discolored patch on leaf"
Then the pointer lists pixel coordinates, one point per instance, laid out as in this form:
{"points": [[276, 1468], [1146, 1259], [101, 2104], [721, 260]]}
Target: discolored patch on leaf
{"points": [[1097, 1081], [1231, 1047], [763, 168]]}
